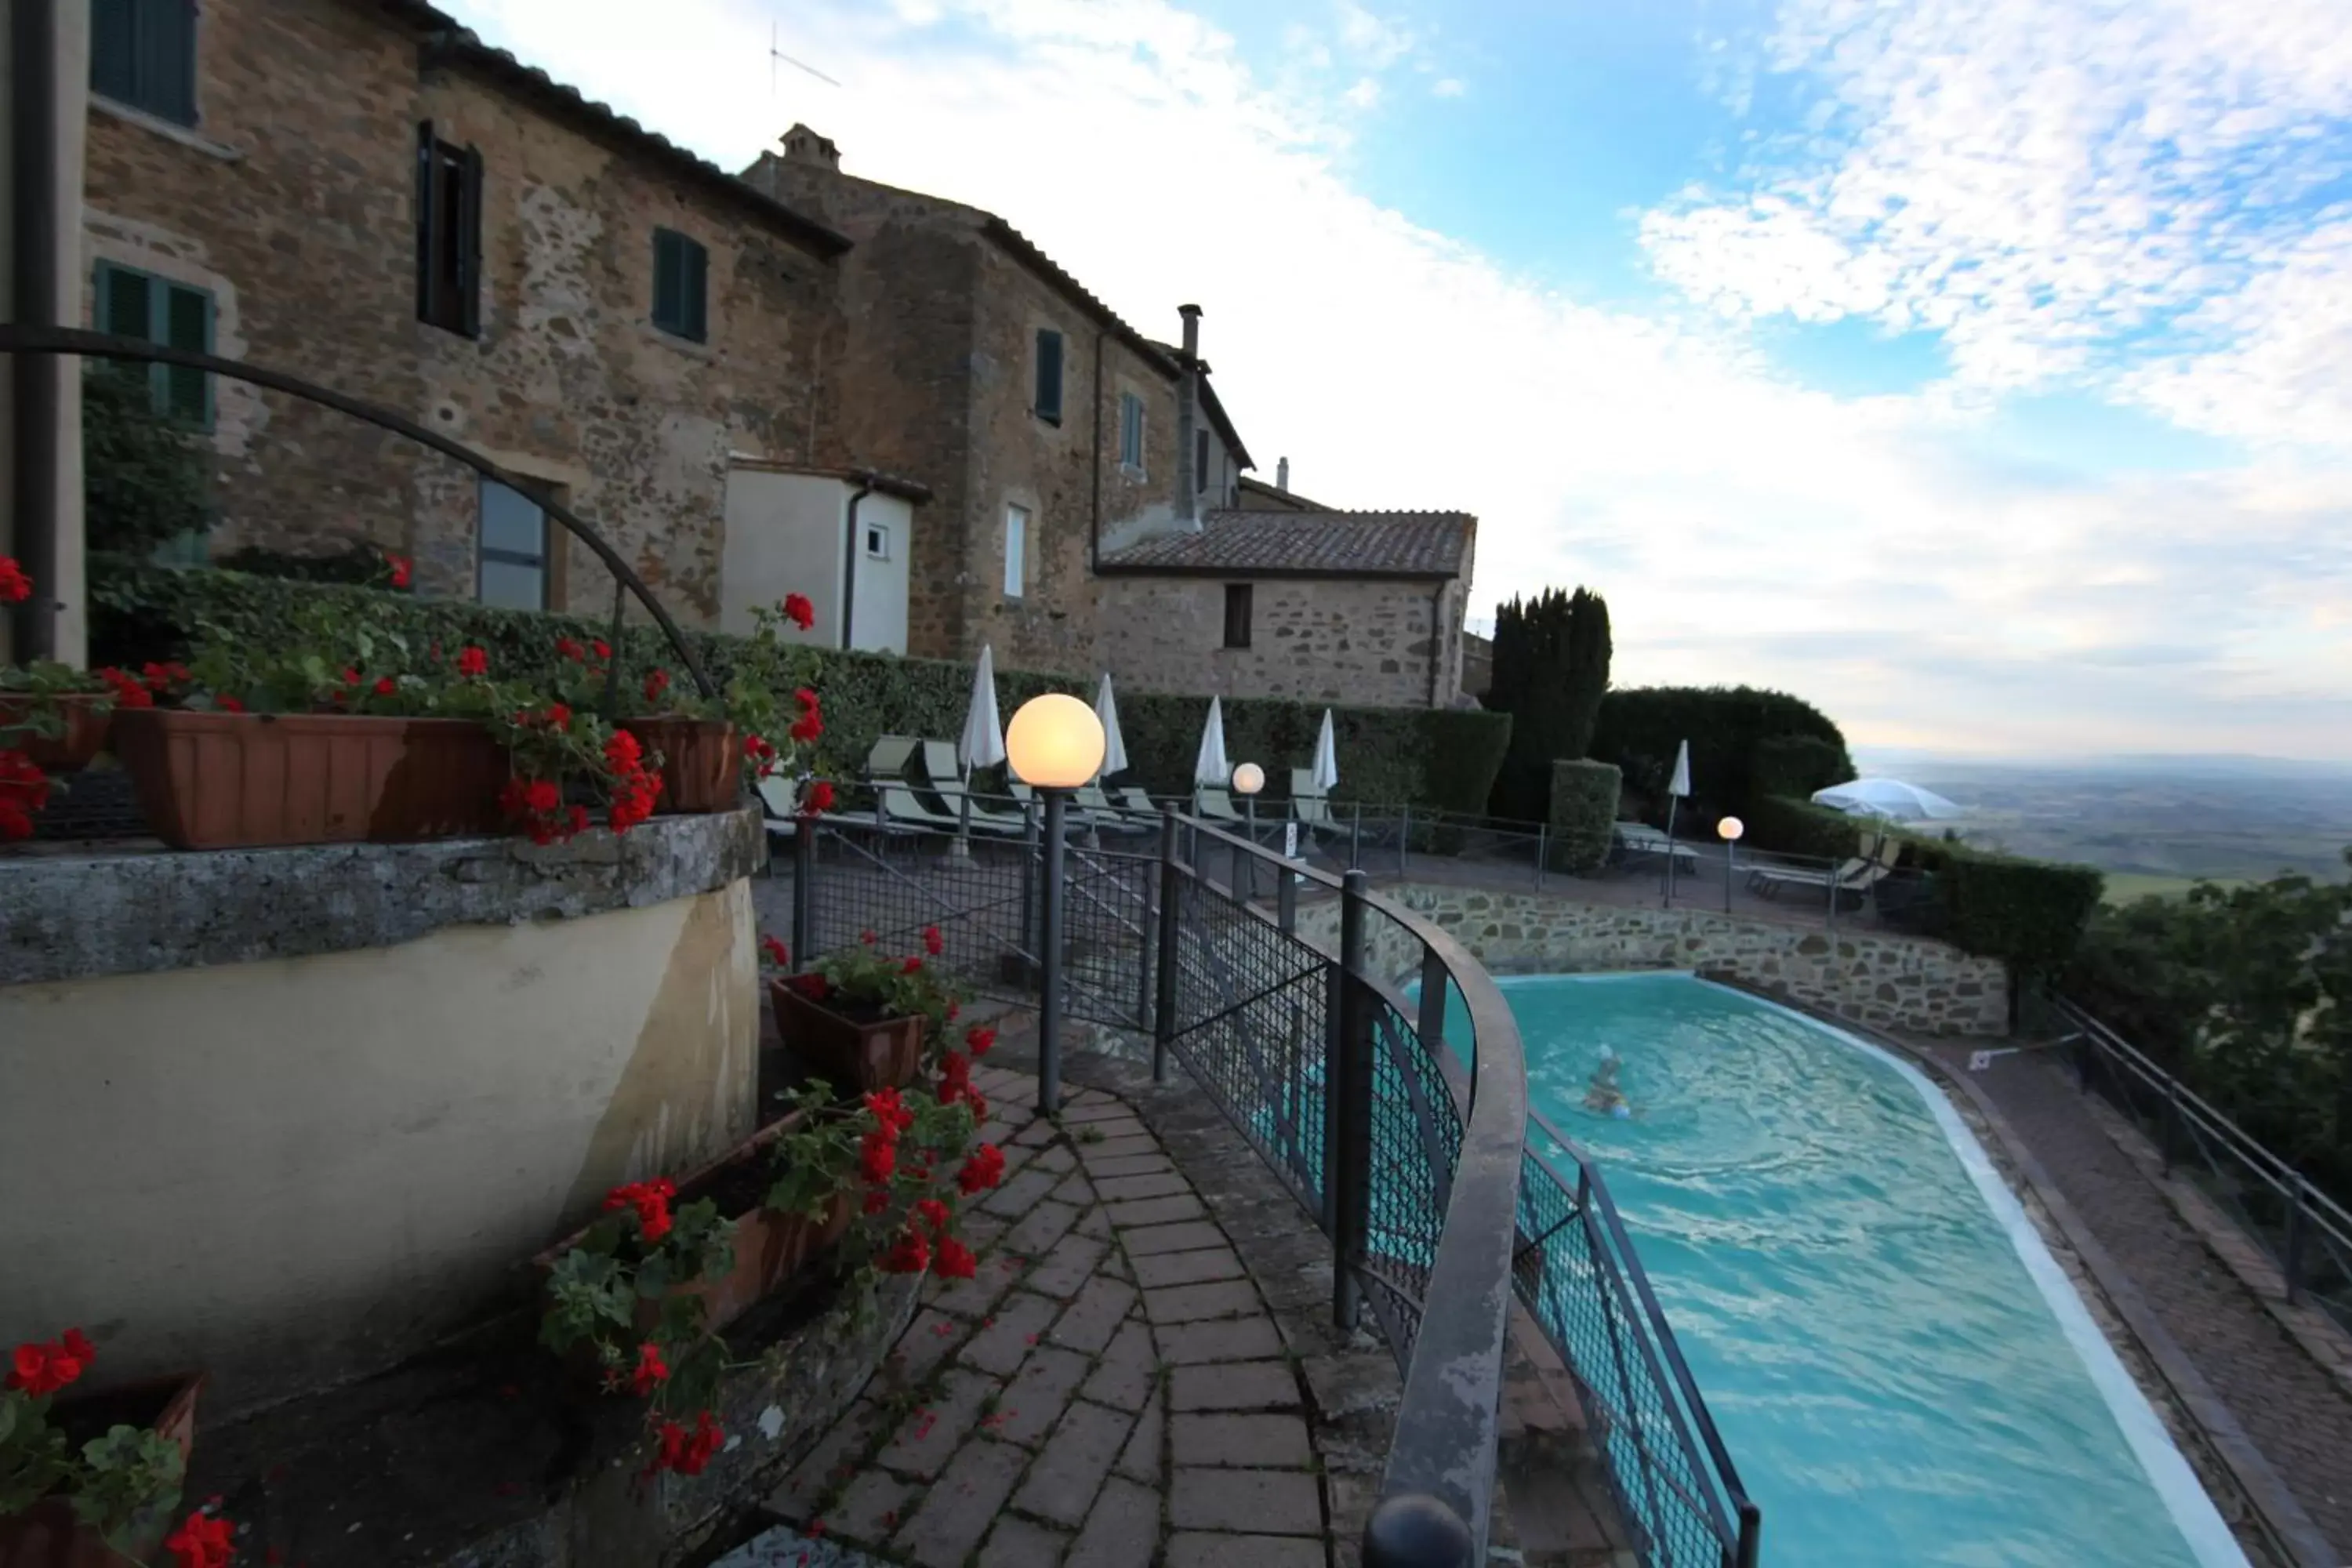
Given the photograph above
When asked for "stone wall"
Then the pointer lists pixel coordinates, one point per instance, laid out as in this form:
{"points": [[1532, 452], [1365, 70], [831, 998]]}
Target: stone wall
{"points": [[1352, 640], [293, 202], [1875, 978], [937, 380]]}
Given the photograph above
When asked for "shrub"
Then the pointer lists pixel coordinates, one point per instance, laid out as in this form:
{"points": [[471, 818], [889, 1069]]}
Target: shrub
{"points": [[1440, 758], [2028, 913], [1552, 670], [1798, 826], [143, 476], [1798, 766], [1583, 813], [1639, 729]]}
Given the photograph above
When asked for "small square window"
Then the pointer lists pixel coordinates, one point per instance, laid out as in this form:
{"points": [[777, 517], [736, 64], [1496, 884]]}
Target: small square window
{"points": [[512, 550], [681, 286], [1016, 550], [142, 54], [1131, 431], [134, 304], [1237, 615], [878, 541], [449, 233]]}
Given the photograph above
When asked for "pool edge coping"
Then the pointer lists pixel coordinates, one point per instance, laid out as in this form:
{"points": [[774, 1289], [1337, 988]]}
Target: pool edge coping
{"points": [[2280, 1517]]}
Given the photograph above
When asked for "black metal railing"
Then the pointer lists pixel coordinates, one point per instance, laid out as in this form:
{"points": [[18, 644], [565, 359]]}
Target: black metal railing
{"points": [[1406, 1135], [2306, 1232]]}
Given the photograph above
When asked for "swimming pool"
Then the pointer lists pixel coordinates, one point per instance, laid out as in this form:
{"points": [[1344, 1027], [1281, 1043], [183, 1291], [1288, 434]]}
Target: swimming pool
{"points": [[1900, 1370]]}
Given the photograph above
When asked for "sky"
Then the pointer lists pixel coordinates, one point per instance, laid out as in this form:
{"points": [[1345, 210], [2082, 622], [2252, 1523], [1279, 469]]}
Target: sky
{"points": [[1979, 370]]}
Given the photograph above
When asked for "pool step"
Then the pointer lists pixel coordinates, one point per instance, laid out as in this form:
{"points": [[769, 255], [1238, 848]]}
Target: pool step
{"points": [[1552, 1507]]}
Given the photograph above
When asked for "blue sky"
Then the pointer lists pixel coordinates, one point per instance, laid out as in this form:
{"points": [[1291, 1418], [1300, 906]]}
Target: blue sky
{"points": [[1981, 369]]}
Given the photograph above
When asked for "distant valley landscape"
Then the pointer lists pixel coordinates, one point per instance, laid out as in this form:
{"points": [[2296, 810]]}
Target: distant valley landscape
{"points": [[2155, 825]]}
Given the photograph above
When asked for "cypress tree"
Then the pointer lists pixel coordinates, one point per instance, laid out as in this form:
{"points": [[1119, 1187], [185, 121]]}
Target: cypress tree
{"points": [[1551, 666], [1588, 669]]}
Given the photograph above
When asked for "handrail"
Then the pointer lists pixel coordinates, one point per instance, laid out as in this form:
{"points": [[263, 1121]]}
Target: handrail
{"points": [[2307, 1205], [19, 338]]}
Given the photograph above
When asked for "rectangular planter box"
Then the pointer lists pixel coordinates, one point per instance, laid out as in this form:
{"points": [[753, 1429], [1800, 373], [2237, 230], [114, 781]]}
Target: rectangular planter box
{"points": [[220, 781], [770, 1247], [702, 767], [48, 1536], [84, 719], [846, 1052]]}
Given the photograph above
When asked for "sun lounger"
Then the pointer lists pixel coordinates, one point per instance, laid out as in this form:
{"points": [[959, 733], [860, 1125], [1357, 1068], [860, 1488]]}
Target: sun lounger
{"points": [[1211, 803], [1309, 807], [1854, 879], [1106, 814], [946, 778], [1636, 841], [1074, 819]]}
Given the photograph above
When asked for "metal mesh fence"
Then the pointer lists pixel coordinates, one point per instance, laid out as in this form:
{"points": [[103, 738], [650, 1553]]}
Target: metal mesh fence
{"points": [[1416, 1145], [1573, 1277]]}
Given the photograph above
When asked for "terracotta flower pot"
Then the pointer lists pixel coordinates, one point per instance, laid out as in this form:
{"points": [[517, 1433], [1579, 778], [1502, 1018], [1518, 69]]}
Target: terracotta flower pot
{"points": [[702, 762], [217, 781], [47, 1535], [844, 1049], [770, 1248], [88, 716]]}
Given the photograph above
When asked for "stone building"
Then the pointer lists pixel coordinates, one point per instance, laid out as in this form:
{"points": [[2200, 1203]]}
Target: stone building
{"points": [[361, 193], [1047, 428], [1339, 607]]}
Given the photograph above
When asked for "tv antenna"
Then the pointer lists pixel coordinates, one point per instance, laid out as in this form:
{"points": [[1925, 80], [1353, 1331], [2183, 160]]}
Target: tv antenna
{"points": [[775, 54]]}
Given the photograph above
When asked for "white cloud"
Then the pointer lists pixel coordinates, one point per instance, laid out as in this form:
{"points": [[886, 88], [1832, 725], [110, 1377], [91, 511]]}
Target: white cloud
{"points": [[1449, 87], [2111, 189], [1742, 529]]}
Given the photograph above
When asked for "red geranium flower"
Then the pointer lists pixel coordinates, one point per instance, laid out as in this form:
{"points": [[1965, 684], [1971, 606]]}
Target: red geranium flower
{"points": [[14, 587], [888, 1110], [400, 569], [911, 966], [202, 1540], [386, 686], [933, 944], [568, 648], [982, 1170], [604, 650], [656, 682], [228, 704], [909, 1254], [128, 692], [40, 1369], [979, 1040], [932, 1213], [689, 1452], [651, 1202], [799, 611], [473, 662], [651, 1369], [778, 953], [876, 1158], [817, 799], [955, 1259]]}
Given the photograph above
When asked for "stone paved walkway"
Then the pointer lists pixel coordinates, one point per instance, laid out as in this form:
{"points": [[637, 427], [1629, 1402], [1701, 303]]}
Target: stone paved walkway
{"points": [[1108, 1390], [2294, 1412]]}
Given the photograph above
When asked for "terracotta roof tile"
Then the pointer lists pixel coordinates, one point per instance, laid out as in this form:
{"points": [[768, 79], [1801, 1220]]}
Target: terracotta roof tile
{"points": [[1310, 543]]}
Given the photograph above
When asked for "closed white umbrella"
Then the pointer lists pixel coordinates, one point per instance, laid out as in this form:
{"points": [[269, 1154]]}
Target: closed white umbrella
{"points": [[1210, 766], [1327, 756], [1889, 798], [1680, 787], [1678, 791], [1114, 743], [982, 744]]}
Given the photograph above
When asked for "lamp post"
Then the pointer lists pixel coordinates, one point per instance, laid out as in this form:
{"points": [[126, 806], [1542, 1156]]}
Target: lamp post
{"points": [[1054, 745], [1248, 779], [1728, 830]]}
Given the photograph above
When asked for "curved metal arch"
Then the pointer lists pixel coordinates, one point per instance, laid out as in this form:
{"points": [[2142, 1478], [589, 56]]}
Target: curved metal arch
{"points": [[31, 340]]}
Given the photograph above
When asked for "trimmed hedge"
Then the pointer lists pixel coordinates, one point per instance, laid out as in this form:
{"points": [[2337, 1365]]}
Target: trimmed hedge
{"points": [[1732, 768], [1798, 826], [2029, 913], [1583, 813], [1423, 757]]}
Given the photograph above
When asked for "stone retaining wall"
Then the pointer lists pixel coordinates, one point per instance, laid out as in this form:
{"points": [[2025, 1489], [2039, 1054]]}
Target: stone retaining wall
{"points": [[1877, 978]]}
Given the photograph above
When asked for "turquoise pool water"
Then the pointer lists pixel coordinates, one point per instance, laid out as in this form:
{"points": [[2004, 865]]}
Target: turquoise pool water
{"points": [[1899, 1369]]}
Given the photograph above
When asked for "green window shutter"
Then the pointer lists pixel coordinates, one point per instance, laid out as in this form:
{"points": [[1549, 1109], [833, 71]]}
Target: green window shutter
{"points": [[469, 256], [167, 60], [188, 324], [122, 308], [697, 286], [666, 282], [113, 48], [1049, 375]]}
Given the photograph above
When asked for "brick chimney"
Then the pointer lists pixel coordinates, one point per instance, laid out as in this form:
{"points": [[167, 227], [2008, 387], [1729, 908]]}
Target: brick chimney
{"points": [[1282, 475], [802, 145], [1187, 419]]}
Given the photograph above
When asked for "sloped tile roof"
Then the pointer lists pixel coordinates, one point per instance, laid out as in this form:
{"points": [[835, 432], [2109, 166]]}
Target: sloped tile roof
{"points": [[1309, 544]]}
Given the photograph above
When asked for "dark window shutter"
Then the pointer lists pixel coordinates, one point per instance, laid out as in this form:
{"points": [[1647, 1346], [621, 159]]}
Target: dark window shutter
{"points": [[113, 48], [469, 252], [123, 305], [188, 324], [1237, 615], [167, 60], [428, 223], [1049, 374], [667, 278], [697, 295]]}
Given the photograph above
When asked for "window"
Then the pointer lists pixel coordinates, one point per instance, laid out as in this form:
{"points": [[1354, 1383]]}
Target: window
{"points": [[878, 541], [1016, 550], [512, 570], [1131, 430], [154, 310], [1049, 375], [1200, 460], [1237, 615], [449, 233], [681, 272], [142, 54]]}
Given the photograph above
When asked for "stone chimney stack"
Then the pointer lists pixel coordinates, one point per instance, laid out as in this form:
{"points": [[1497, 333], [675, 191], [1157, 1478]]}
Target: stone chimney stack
{"points": [[802, 145], [1282, 475], [1187, 419]]}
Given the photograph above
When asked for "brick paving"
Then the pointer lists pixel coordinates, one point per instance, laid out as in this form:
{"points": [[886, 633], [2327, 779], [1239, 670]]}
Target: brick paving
{"points": [[2291, 1409], [1111, 1390]]}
